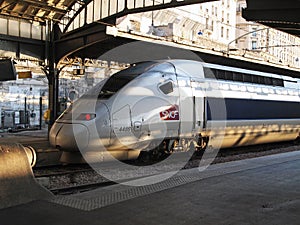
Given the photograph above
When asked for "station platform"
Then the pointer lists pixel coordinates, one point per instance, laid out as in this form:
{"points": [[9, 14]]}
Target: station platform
{"points": [[25, 136], [264, 190]]}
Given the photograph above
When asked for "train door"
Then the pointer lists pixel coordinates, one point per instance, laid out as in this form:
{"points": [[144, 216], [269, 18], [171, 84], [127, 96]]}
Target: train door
{"points": [[121, 123], [169, 88], [185, 107], [199, 107]]}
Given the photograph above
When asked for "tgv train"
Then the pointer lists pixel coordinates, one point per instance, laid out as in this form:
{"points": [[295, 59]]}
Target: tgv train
{"points": [[175, 105]]}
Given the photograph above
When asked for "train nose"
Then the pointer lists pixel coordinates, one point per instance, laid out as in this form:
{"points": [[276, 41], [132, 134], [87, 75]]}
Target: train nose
{"points": [[69, 137], [82, 128]]}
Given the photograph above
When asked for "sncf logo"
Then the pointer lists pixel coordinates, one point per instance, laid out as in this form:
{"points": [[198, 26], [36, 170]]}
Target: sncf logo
{"points": [[171, 113]]}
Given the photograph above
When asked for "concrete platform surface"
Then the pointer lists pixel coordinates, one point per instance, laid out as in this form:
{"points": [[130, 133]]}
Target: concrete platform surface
{"points": [[263, 190], [25, 137]]}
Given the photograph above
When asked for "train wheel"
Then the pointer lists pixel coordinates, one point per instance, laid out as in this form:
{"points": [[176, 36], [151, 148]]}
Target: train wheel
{"points": [[172, 146], [144, 156], [187, 144], [202, 143], [182, 145]]}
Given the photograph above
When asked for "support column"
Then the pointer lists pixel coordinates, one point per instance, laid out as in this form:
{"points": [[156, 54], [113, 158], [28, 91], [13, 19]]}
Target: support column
{"points": [[41, 112], [52, 73]]}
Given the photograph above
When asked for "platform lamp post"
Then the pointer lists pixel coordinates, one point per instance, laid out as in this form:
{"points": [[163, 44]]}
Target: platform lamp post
{"points": [[228, 45]]}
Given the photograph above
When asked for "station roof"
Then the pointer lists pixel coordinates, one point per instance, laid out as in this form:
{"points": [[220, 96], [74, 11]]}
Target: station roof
{"points": [[36, 10], [63, 10], [278, 14]]}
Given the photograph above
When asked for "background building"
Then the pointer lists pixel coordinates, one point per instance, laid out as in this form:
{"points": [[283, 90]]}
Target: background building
{"points": [[209, 24]]}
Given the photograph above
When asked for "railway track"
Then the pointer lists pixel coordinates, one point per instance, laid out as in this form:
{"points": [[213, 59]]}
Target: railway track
{"points": [[71, 179], [81, 188], [60, 170], [66, 179]]}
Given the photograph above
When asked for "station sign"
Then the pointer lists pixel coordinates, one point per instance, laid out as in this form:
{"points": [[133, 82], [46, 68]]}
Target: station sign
{"points": [[24, 74]]}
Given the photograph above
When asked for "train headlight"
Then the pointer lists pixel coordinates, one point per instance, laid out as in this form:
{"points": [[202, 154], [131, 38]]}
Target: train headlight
{"points": [[86, 116]]}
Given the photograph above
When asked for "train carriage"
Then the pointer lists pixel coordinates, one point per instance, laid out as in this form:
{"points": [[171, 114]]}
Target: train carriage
{"points": [[174, 105]]}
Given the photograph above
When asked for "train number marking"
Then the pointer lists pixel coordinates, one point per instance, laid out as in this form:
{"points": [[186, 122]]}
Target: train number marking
{"points": [[124, 129]]}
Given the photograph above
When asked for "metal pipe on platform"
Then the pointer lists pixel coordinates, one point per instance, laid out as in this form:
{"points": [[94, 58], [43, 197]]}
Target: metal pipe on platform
{"points": [[31, 154], [17, 182]]}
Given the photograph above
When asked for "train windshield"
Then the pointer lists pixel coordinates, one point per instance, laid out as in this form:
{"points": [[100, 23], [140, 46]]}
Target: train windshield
{"points": [[120, 79]]}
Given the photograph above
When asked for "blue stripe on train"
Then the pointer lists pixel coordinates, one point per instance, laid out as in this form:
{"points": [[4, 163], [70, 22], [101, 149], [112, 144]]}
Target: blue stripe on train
{"points": [[251, 109]]}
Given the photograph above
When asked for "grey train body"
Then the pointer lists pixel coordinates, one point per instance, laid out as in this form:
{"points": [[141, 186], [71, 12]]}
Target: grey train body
{"points": [[175, 104]]}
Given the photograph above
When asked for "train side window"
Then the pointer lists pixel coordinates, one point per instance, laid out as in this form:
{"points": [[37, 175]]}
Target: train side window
{"points": [[277, 82], [166, 88], [261, 80], [228, 75], [255, 79], [238, 77], [221, 74], [241, 77], [247, 78], [268, 80], [209, 73]]}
